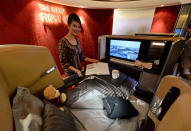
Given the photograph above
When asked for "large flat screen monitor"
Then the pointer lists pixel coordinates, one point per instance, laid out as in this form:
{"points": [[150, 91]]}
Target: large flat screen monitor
{"points": [[124, 49]]}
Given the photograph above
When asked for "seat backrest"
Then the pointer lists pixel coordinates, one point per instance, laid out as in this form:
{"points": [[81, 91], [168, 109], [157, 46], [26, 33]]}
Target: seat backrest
{"points": [[23, 65], [164, 87], [172, 81], [178, 117]]}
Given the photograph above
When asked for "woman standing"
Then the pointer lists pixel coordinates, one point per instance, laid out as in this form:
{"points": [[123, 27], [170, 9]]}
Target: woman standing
{"points": [[70, 51]]}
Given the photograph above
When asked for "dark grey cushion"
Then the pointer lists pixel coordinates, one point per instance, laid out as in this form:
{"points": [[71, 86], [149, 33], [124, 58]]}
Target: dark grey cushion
{"points": [[27, 110], [57, 120], [117, 107]]}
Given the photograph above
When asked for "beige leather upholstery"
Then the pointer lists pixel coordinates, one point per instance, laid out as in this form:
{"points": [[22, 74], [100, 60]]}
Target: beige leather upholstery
{"points": [[169, 81], [178, 117], [23, 65], [171, 115], [5, 108]]}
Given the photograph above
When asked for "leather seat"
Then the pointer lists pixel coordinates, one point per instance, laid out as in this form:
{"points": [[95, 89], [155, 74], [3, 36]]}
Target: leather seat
{"points": [[177, 117], [23, 65]]}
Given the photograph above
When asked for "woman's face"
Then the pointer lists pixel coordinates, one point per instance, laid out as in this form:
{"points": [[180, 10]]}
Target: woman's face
{"points": [[74, 28]]}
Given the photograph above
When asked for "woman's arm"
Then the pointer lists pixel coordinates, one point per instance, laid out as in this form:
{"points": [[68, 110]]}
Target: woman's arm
{"points": [[84, 58], [91, 60], [76, 71]]}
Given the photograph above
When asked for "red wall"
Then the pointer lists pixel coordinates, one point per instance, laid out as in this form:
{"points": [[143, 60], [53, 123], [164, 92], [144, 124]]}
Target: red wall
{"points": [[165, 19], [20, 23]]}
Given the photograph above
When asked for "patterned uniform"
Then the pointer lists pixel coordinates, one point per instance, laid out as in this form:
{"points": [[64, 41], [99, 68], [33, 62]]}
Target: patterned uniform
{"points": [[70, 55]]}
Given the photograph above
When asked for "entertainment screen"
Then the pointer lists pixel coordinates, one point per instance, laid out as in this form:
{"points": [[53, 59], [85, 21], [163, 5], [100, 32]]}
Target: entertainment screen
{"points": [[124, 49]]}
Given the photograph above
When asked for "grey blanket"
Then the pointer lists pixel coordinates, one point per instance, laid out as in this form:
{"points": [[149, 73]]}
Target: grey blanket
{"points": [[85, 102]]}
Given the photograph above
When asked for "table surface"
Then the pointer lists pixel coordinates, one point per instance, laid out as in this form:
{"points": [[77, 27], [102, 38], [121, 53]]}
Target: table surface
{"points": [[74, 79], [116, 82]]}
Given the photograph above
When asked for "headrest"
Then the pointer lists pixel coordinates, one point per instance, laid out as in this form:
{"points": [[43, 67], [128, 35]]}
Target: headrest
{"points": [[25, 65]]}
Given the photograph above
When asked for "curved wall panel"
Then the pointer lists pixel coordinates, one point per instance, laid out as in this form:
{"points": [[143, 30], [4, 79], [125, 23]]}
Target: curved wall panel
{"points": [[165, 19]]}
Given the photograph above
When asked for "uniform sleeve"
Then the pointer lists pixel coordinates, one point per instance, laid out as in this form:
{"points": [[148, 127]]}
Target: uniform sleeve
{"points": [[82, 57], [63, 54]]}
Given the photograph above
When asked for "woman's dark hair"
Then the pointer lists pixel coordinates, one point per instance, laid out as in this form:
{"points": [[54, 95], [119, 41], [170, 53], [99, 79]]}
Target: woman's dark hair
{"points": [[73, 17]]}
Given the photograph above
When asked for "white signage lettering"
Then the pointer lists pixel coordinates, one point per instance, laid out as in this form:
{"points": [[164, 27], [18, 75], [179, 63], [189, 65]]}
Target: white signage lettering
{"points": [[52, 15]]}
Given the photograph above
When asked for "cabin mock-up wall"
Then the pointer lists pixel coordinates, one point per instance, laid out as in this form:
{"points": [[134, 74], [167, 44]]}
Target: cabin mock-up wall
{"points": [[131, 21], [165, 19], [36, 22]]}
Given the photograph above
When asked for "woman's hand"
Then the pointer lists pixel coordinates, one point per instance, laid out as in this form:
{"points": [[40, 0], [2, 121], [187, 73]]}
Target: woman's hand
{"points": [[79, 73], [91, 60], [76, 71], [94, 61]]}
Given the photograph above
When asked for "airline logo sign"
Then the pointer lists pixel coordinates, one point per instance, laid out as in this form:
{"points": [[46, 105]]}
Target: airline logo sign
{"points": [[52, 15]]}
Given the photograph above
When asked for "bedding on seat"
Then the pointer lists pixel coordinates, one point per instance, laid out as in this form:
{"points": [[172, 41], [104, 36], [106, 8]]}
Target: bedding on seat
{"points": [[85, 103]]}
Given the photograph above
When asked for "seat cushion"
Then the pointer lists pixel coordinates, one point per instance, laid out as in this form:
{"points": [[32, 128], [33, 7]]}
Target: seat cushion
{"points": [[57, 120], [27, 111]]}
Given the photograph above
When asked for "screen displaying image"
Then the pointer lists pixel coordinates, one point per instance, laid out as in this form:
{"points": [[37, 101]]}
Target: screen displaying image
{"points": [[125, 49]]}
